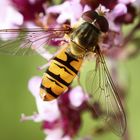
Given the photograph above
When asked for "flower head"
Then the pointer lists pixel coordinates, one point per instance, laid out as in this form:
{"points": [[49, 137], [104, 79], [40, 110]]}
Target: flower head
{"points": [[62, 116], [9, 18], [29, 8], [68, 11]]}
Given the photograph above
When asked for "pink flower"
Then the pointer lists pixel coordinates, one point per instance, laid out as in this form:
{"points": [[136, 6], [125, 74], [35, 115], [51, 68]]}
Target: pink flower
{"points": [[9, 18], [71, 112], [128, 17], [69, 10], [62, 116], [76, 96], [119, 9], [29, 8], [47, 111], [56, 134], [126, 1]]}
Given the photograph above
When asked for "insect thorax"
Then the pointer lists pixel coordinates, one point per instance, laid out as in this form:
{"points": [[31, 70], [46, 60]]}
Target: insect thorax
{"points": [[84, 38]]}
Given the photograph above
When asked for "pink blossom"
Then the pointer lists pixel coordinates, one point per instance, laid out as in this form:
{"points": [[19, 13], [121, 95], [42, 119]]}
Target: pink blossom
{"points": [[34, 85], [69, 10], [119, 9], [51, 113], [56, 115], [9, 18], [56, 134], [101, 9], [76, 96], [126, 1], [29, 8], [47, 111]]}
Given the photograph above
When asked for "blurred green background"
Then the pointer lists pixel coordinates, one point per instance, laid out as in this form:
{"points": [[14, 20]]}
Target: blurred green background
{"points": [[15, 99]]}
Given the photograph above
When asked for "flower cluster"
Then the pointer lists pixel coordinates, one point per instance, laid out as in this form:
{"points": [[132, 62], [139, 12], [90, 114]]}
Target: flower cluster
{"points": [[42, 13], [29, 8], [119, 13], [62, 118]]}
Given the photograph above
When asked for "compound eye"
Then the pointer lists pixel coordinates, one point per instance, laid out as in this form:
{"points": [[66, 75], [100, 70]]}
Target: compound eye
{"points": [[90, 16], [102, 23]]}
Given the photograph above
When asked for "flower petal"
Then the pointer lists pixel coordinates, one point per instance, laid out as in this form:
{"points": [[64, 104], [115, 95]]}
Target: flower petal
{"points": [[48, 111], [126, 1], [56, 134], [76, 96], [69, 10], [34, 86]]}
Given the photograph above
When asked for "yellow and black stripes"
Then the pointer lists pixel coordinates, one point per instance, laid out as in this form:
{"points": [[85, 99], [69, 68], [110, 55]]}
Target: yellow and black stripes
{"points": [[57, 78], [59, 75], [67, 63]]}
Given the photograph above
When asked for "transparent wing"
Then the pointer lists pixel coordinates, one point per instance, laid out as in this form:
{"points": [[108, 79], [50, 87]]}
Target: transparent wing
{"points": [[102, 90], [29, 41]]}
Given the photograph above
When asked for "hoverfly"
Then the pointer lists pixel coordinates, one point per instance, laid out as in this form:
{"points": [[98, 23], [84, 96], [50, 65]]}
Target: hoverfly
{"points": [[82, 38]]}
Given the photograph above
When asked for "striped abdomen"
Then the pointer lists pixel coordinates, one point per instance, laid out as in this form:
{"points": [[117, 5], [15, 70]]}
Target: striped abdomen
{"points": [[59, 75]]}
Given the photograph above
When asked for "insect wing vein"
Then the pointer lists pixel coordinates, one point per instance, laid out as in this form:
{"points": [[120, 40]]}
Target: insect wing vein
{"points": [[28, 41], [101, 88]]}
